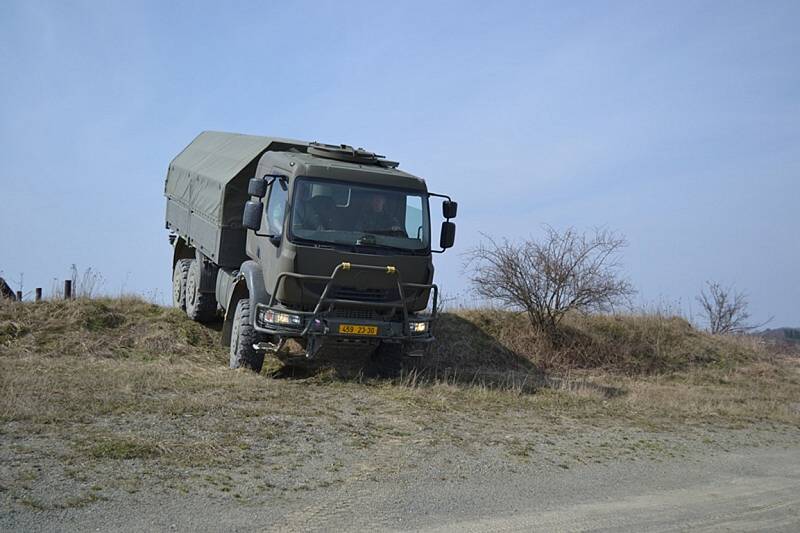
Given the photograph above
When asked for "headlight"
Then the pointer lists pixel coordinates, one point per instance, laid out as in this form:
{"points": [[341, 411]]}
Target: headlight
{"points": [[418, 327], [268, 316]]}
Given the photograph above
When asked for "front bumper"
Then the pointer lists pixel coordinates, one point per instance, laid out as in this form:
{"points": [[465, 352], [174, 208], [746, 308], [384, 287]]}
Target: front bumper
{"points": [[322, 321], [332, 327]]}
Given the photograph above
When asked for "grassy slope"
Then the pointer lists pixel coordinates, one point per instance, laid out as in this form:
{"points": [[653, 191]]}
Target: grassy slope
{"points": [[137, 389], [628, 344], [125, 353]]}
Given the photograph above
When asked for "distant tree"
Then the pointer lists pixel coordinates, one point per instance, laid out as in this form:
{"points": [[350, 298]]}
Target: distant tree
{"points": [[725, 309], [547, 278]]}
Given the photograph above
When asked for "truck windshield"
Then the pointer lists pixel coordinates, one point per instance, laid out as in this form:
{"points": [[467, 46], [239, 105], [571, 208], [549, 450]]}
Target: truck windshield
{"points": [[344, 213]]}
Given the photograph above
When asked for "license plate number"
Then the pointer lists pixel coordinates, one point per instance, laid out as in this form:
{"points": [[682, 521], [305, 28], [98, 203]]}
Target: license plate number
{"points": [[357, 329]]}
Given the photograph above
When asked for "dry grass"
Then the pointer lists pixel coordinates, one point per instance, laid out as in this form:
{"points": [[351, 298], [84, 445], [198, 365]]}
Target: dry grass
{"points": [[649, 369], [488, 339], [99, 398], [118, 328], [124, 379]]}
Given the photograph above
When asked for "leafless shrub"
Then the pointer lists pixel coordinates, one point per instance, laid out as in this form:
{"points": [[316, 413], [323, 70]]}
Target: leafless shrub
{"points": [[725, 310], [564, 271], [85, 285], [88, 284]]}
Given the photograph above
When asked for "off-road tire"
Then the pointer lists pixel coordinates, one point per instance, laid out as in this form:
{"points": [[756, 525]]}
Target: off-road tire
{"points": [[243, 336], [386, 361], [179, 275], [200, 306]]}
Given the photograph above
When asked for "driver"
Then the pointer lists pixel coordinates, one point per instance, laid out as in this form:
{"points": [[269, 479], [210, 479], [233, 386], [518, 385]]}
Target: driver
{"points": [[375, 216], [317, 214]]}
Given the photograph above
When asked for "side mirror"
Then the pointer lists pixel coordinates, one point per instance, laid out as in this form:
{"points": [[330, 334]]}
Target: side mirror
{"points": [[449, 209], [251, 219], [447, 236], [257, 187]]}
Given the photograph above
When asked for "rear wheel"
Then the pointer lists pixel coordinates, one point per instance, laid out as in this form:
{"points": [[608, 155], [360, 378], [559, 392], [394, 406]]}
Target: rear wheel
{"points": [[200, 306], [243, 336], [179, 275]]}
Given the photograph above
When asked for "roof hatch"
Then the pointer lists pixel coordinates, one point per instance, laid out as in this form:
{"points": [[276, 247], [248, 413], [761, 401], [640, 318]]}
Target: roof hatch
{"points": [[344, 152]]}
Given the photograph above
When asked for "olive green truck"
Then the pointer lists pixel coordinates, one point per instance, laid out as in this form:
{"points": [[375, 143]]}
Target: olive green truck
{"points": [[324, 245]]}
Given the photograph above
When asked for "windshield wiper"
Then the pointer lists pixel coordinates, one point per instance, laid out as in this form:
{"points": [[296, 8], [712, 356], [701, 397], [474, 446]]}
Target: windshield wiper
{"points": [[360, 244], [317, 244]]}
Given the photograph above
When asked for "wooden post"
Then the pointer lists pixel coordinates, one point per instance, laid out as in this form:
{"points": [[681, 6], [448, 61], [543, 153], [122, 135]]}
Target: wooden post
{"points": [[67, 289], [19, 296], [38, 297]]}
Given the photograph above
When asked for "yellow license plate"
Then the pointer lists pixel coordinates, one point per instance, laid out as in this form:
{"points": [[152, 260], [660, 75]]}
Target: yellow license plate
{"points": [[357, 329]]}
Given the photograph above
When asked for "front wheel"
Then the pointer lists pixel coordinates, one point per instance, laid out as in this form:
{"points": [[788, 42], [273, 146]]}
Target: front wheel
{"points": [[243, 336]]}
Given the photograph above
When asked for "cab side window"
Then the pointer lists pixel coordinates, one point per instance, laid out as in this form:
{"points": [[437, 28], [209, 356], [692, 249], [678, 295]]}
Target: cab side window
{"points": [[276, 209], [414, 225]]}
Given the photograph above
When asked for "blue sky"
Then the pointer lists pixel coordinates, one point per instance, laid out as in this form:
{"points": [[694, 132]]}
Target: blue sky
{"points": [[675, 124]]}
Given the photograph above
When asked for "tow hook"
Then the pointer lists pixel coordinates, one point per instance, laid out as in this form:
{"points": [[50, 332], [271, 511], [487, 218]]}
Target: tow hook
{"points": [[270, 347], [313, 345]]}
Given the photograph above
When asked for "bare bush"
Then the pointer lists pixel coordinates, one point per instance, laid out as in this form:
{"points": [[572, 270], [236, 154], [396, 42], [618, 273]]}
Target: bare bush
{"points": [[87, 284], [725, 309], [564, 271]]}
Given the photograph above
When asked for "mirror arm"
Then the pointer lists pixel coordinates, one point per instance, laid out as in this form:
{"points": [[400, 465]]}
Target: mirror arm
{"points": [[440, 196], [274, 239], [445, 203]]}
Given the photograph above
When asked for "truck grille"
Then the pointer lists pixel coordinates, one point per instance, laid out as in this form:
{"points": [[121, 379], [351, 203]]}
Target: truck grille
{"points": [[359, 314], [366, 295], [366, 314]]}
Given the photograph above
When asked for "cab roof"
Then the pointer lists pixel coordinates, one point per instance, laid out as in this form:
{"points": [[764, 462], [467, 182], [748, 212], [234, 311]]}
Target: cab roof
{"points": [[298, 164]]}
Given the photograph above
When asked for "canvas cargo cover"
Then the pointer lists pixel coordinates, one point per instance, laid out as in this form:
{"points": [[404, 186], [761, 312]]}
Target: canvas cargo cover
{"points": [[201, 177], [206, 189]]}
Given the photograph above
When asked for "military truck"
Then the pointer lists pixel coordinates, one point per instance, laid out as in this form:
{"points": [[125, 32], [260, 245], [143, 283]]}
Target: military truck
{"points": [[325, 247]]}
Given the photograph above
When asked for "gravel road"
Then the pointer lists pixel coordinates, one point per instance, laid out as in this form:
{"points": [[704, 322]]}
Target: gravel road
{"points": [[747, 488]]}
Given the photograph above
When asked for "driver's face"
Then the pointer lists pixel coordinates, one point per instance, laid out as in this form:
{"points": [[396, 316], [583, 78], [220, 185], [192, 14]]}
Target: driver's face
{"points": [[377, 202]]}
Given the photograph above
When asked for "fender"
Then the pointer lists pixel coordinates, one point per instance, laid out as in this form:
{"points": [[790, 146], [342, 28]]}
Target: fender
{"points": [[249, 284], [181, 250], [208, 273]]}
